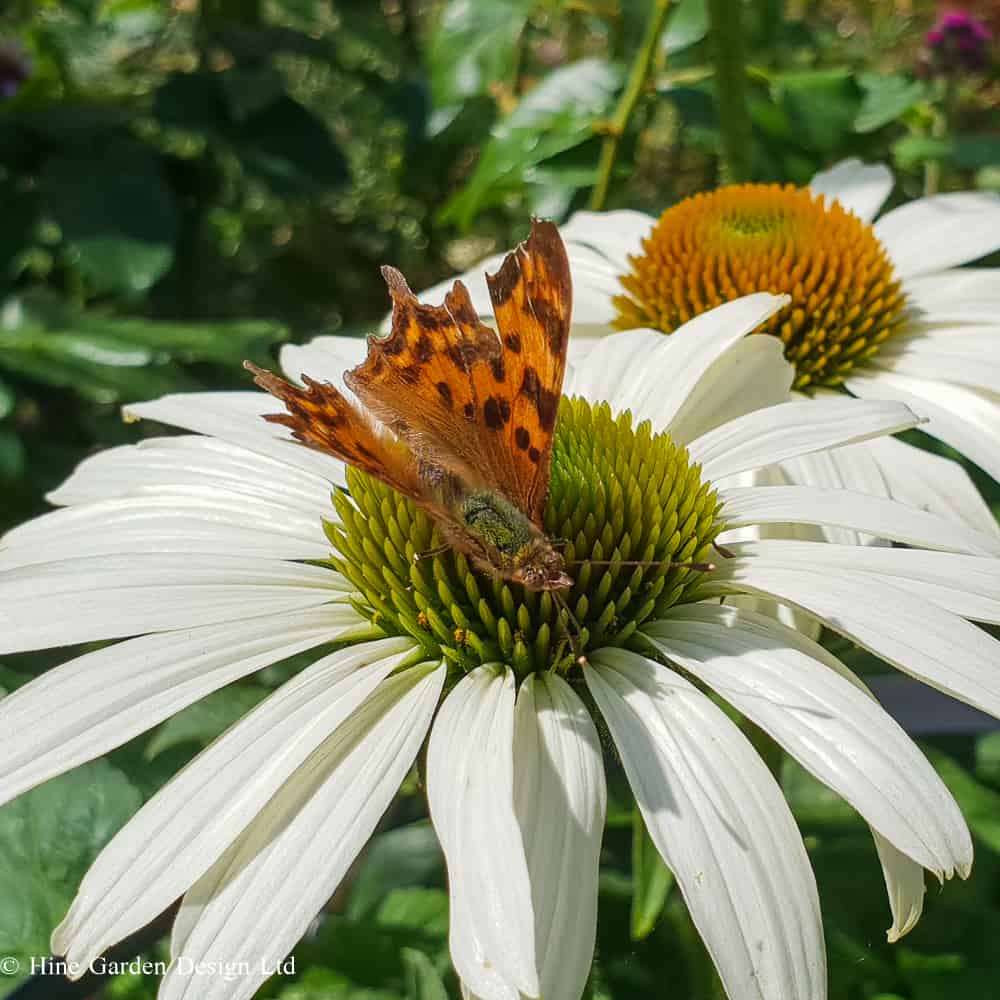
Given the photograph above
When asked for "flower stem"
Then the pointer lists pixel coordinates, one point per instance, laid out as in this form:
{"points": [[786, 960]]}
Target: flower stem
{"points": [[633, 91], [730, 89]]}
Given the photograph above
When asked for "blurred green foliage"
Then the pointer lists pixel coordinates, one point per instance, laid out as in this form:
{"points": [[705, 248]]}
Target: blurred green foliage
{"points": [[185, 184]]}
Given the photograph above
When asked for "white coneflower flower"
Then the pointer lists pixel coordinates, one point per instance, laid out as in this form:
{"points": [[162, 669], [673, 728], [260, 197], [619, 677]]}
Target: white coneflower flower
{"points": [[213, 556], [881, 308]]}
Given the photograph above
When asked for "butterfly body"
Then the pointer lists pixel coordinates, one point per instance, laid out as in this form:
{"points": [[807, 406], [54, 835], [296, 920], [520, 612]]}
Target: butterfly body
{"points": [[457, 416], [502, 540]]}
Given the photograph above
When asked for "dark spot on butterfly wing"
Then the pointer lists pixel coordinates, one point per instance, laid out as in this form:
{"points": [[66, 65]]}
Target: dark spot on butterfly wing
{"points": [[496, 412], [545, 401], [444, 391], [522, 438]]}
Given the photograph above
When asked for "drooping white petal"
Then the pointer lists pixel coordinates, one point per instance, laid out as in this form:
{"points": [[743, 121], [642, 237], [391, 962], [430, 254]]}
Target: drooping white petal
{"points": [[744, 506], [935, 483], [595, 285], [180, 832], [654, 376], [111, 597], [966, 419], [793, 689], [960, 295], [98, 701], [904, 882], [324, 359], [903, 628], [861, 188], [238, 417], [778, 433], [470, 791], [259, 898], [168, 463], [722, 826], [968, 586], [559, 798], [941, 231], [191, 519]]}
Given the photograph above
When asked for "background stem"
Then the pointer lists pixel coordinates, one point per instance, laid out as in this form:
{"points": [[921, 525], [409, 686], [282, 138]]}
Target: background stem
{"points": [[633, 91], [730, 89]]}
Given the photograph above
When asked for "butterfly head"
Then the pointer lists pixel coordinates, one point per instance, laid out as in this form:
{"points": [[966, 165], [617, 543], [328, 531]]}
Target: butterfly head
{"points": [[541, 567]]}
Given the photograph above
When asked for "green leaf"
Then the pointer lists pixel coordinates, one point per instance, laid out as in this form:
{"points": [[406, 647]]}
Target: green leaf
{"points": [[12, 455], [687, 25], [474, 45], [988, 757], [651, 881], [422, 979], [108, 358], [886, 98], [325, 984], [290, 149], [424, 911], [48, 838], [558, 114], [821, 104], [913, 150], [406, 856], [116, 214], [203, 721]]}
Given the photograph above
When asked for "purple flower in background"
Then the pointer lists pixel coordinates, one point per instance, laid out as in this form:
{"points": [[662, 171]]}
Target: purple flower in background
{"points": [[958, 41], [15, 68]]}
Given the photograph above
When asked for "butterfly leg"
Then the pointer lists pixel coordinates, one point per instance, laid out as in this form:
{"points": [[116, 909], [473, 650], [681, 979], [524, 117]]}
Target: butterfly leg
{"points": [[573, 637], [431, 553]]}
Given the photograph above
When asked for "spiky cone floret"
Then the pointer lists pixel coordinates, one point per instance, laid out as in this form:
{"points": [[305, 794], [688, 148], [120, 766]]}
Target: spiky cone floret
{"points": [[212, 554]]}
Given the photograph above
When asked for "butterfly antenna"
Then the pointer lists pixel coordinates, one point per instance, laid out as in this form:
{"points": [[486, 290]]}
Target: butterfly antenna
{"points": [[700, 567], [574, 644]]}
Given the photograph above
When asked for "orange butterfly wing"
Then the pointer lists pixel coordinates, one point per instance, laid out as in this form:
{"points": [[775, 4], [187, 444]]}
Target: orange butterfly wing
{"points": [[479, 404], [322, 418]]}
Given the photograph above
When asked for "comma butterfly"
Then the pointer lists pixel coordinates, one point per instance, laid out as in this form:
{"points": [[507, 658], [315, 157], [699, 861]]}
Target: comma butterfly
{"points": [[456, 416]]}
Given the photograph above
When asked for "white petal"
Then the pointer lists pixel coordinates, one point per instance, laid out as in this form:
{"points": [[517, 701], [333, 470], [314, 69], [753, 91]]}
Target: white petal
{"points": [[111, 597], [904, 629], [904, 882], [861, 188], [968, 586], [654, 376], [852, 467], [966, 419], [180, 832], [778, 433], [959, 360], [238, 417], [255, 903], [722, 826], [933, 233], [935, 483], [789, 687], [963, 295], [743, 506], [86, 707], [197, 520], [324, 359], [614, 235], [560, 798], [470, 791], [168, 463], [595, 284]]}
